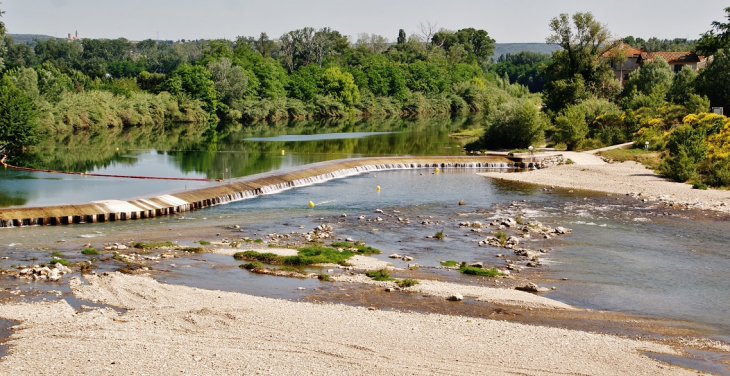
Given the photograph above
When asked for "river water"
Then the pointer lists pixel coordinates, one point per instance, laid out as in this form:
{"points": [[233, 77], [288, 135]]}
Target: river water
{"points": [[623, 255]]}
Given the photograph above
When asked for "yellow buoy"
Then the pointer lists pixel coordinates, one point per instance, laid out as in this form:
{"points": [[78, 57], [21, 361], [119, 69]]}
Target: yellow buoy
{"points": [[377, 187], [311, 204], [437, 170], [282, 152]]}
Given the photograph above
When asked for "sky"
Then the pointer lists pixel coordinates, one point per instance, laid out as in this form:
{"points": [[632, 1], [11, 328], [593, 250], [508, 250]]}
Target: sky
{"points": [[507, 21]]}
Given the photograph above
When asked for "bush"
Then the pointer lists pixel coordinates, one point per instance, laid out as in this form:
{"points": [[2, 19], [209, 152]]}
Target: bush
{"points": [[253, 265], [407, 282], [379, 275], [90, 251], [470, 270], [515, 124]]}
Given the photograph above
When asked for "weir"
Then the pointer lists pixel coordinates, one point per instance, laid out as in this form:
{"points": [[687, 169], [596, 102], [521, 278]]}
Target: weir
{"points": [[237, 189]]}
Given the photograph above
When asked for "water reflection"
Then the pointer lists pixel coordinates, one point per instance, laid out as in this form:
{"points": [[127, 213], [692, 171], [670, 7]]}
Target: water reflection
{"points": [[222, 151]]}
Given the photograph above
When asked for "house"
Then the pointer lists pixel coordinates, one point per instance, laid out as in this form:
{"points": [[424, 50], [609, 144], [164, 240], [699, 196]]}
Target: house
{"points": [[635, 58]]}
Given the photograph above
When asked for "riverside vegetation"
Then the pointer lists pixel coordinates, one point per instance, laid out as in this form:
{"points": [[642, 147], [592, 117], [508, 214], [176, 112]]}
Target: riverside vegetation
{"points": [[76, 90]]}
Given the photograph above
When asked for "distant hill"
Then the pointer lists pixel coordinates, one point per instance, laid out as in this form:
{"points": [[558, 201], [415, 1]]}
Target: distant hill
{"points": [[29, 39], [513, 48]]}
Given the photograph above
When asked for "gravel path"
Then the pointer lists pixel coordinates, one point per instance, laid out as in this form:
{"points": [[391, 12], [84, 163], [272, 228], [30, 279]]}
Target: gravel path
{"points": [[180, 330]]}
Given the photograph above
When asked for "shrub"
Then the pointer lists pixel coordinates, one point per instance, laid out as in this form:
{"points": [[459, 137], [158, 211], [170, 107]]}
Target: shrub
{"points": [[61, 261], [379, 275], [514, 124], [501, 236], [439, 235], [407, 282], [253, 265], [90, 251], [471, 270], [141, 245]]}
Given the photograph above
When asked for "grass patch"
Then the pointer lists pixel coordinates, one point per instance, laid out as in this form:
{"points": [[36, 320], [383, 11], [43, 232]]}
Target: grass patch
{"points": [[439, 235], [323, 277], [470, 270], [407, 282], [57, 254], [253, 265], [141, 245], [268, 258], [306, 256], [90, 251], [204, 242], [61, 261], [360, 247], [449, 263], [501, 236], [379, 275], [194, 249], [650, 159]]}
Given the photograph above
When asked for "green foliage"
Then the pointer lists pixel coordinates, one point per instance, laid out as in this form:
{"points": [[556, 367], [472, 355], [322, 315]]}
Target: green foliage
{"points": [[501, 237], [718, 173], [18, 117], [578, 70], [61, 261], [193, 249], [514, 124], [407, 282], [471, 270], [716, 39], [194, 81], [306, 256], [652, 76], [204, 242], [449, 263], [357, 247], [687, 150], [340, 86], [90, 251], [142, 245], [714, 81], [323, 277], [571, 127], [253, 265], [379, 275], [439, 235], [229, 81]]}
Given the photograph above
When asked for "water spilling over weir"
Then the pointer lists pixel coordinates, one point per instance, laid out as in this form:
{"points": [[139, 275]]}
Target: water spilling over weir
{"points": [[238, 189]]}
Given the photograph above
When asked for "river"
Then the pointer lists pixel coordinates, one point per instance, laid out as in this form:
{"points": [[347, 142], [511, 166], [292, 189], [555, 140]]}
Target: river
{"points": [[623, 255]]}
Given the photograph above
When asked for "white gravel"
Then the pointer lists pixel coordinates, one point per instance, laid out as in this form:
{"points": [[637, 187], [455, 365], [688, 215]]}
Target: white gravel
{"points": [[180, 330], [620, 178]]}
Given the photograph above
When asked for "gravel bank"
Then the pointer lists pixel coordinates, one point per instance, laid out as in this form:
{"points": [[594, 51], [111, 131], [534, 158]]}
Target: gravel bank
{"points": [[180, 330], [621, 178]]}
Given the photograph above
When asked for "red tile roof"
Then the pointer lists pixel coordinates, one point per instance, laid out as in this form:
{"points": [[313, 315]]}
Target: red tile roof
{"points": [[674, 57]]}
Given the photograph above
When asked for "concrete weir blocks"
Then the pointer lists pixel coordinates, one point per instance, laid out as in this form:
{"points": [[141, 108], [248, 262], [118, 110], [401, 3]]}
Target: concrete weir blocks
{"points": [[238, 189]]}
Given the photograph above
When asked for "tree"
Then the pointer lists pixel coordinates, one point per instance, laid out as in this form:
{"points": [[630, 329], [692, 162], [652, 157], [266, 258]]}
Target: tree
{"points": [[571, 127], [401, 37], [653, 75], [2, 42], [373, 43], [194, 81], [714, 81], [230, 81], [513, 124], [18, 117], [682, 86], [584, 42], [340, 86], [716, 38]]}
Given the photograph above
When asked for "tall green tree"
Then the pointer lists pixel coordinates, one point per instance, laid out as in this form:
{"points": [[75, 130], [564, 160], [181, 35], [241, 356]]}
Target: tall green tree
{"points": [[18, 117], [714, 81], [2, 42], [716, 38], [340, 86], [584, 42]]}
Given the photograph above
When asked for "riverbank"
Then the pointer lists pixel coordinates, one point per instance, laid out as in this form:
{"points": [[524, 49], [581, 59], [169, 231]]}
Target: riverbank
{"points": [[174, 329], [627, 178]]}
